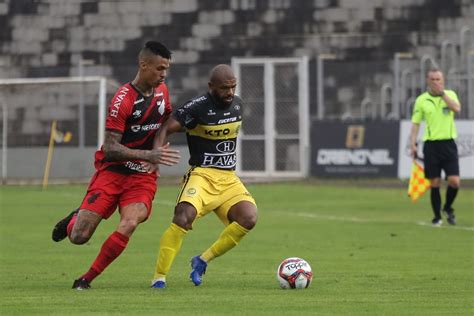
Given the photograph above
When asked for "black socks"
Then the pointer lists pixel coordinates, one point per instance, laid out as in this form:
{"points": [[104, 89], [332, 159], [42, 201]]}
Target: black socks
{"points": [[450, 196], [436, 202]]}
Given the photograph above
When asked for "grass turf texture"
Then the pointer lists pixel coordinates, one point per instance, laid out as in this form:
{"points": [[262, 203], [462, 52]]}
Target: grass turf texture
{"points": [[368, 251]]}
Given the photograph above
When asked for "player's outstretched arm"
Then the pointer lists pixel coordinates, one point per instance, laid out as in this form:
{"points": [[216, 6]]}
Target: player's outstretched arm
{"points": [[114, 151], [171, 126]]}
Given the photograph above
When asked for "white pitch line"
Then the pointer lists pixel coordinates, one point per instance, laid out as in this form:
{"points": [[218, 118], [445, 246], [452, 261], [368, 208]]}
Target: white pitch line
{"points": [[324, 217], [366, 220], [450, 227]]}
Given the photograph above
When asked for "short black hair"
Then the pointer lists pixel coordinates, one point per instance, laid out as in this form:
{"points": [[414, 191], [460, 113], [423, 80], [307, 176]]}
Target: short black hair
{"points": [[157, 48], [432, 69]]}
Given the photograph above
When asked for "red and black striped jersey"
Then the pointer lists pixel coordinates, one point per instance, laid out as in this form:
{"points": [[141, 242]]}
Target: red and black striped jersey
{"points": [[137, 118]]}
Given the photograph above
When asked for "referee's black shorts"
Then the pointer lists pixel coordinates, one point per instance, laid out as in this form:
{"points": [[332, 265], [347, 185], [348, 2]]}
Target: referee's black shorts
{"points": [[440, 154]]}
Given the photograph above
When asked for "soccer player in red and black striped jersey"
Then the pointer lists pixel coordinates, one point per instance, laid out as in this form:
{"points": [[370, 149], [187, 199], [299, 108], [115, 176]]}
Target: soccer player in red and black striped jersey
{"points": [[125, 176]]}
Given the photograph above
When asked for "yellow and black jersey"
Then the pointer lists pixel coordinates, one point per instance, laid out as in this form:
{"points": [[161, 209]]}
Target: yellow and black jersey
{"points": [[211, 131]]}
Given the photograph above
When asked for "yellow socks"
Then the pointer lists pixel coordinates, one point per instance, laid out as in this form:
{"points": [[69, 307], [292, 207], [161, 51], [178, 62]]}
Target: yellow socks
{"points": [[228, 239], [172, 239], [170, 244]]}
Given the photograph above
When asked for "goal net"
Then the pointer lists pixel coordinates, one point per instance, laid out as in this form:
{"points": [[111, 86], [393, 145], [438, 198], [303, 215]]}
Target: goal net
{"points": [[31, 107]]}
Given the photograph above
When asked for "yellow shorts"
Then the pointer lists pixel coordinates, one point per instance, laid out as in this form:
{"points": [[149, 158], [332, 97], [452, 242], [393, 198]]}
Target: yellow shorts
{"points": [[210, 189]]}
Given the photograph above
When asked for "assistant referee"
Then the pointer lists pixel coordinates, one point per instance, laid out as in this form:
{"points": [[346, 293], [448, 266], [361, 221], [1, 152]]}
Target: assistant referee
{"points": [[436, 107]]}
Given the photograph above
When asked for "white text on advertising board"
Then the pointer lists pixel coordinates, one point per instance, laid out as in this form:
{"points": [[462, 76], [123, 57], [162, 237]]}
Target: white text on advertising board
{"points": [[357, 157]]}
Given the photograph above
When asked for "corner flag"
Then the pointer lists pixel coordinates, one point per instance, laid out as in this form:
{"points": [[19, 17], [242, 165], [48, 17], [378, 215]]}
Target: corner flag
{"points": [[58, 137], [418, 183]]}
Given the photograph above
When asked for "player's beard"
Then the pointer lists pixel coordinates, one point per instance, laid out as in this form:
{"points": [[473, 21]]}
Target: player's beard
{"points": [[223, 102]]}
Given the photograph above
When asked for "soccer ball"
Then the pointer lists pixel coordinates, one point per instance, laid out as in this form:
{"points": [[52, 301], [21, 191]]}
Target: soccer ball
{"points": [[294, 273]]}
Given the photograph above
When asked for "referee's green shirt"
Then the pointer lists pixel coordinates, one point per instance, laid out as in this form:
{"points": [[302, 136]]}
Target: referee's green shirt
{"points": [[439, 118]]}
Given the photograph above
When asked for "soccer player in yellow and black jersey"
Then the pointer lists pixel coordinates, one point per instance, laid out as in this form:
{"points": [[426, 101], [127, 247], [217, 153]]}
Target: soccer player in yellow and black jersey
{"points": [[212, 122], [437, 107]]}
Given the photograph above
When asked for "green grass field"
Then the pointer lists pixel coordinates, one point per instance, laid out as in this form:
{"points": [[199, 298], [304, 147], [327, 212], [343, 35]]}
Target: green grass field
{"points": [[371, 250]]}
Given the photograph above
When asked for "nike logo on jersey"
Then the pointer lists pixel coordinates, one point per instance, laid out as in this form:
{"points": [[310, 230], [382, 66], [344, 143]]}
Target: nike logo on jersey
{"points": [[138, 101]]}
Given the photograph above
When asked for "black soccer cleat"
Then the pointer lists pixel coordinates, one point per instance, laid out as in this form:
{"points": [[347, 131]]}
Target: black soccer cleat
{"points": [[81, 284], [449, 213], [60, 230], [436, 221]]}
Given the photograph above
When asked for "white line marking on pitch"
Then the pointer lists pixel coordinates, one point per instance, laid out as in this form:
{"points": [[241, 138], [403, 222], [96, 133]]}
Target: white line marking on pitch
{"points": [[451, 227], [342, 218], [364, 220]]}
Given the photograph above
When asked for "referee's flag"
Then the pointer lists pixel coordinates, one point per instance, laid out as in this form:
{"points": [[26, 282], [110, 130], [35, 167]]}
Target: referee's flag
{"points": [[418, 184]]}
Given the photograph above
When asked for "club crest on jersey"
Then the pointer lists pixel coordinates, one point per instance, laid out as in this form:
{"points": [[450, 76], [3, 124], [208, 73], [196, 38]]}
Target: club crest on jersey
{"points": [[137, 114], [191, 192], [160, 103], [237, 107]]}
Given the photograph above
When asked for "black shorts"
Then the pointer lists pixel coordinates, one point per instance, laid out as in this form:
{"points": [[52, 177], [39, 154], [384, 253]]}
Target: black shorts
{"points": [[440, 154]]}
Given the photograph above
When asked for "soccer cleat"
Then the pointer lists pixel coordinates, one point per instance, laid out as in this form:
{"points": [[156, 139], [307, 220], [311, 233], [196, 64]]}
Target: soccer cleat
{"points": [[436, 221], [81, 284], [449, 213], [60, 230], [199, 268], [158, 284]]}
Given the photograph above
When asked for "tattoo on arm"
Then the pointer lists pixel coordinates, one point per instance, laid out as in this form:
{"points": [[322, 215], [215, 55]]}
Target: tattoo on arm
{"points": [[114, 151]]}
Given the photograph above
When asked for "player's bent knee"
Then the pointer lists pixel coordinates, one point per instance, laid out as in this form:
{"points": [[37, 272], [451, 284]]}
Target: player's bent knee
{"points": [[184, 215], [248, 221], [247, 217], [183, 222], [454, 181], [130, 223], [435, 183], [79, 238]]}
